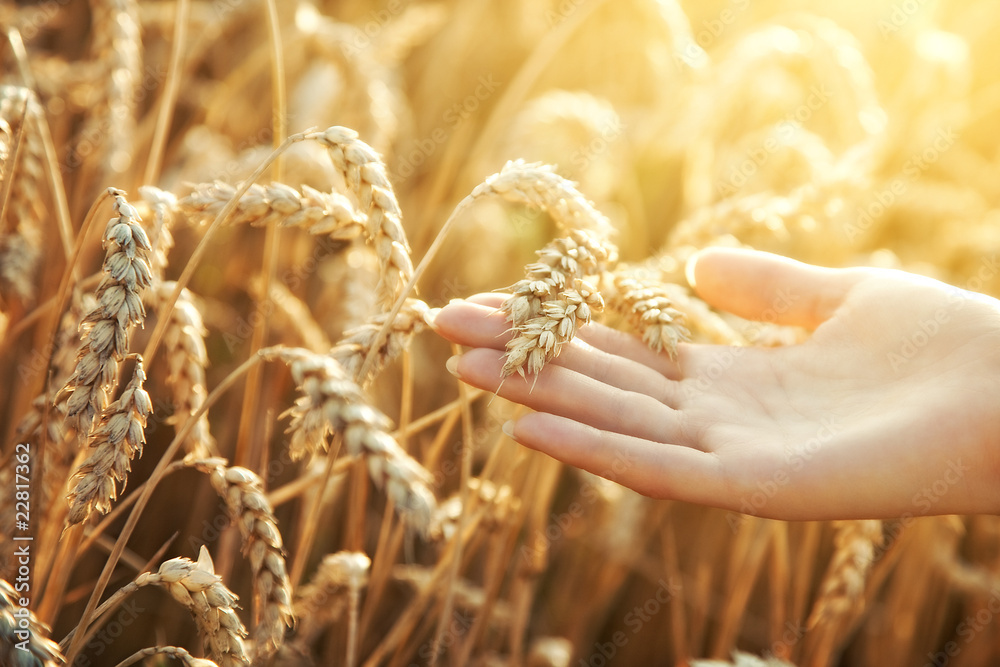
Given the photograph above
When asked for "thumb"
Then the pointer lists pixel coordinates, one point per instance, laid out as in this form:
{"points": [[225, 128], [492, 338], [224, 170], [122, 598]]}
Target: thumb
{"points": [[760, 286]]}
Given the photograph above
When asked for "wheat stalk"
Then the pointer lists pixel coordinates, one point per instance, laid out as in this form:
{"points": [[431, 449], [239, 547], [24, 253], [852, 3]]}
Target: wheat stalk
{"points": [[107, 328], [332, 402], [201, 592], [23, 638], [248, 507], [116, 440], [365, 177]]}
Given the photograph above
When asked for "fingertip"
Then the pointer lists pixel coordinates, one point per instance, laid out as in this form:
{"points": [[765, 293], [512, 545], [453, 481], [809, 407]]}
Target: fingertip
{"points": [[431, 316]]}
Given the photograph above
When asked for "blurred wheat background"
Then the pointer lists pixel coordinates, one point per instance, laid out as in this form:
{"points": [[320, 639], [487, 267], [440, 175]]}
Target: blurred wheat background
{"points": [[340, 499]]}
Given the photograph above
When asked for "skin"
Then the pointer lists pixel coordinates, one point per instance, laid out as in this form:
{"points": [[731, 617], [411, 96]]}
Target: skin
{"points": [[890, 408]]}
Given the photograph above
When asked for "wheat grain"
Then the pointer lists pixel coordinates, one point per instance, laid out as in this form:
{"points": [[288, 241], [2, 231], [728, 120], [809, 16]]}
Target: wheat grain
{"points": [[539, 186], [844, 583], [365, 177], [107, 328], [648, 309], [116, 440], [23, 639], [356, 345], [317, 212], [248, 507], [332, 402], [163, 204], [201, 591], [174, 652], [547, 307]]}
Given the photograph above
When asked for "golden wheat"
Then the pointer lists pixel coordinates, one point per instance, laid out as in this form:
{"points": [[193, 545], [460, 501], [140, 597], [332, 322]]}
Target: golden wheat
{"points": [[197, 587], [107, 329]]}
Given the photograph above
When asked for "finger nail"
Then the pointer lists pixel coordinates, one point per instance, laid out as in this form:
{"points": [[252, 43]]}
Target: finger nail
{"points": [[430, 316], [508, 428], [452, 365]]}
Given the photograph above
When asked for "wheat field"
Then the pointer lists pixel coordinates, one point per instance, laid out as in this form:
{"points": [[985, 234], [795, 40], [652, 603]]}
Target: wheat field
{"points": [[228, 434]]}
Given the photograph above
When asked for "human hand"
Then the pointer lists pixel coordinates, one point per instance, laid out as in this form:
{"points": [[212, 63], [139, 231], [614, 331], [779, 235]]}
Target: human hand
{"points": [[891, 408]]}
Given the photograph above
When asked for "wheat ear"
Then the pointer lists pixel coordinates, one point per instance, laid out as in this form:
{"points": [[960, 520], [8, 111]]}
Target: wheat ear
{"points": [[844, 583], [332, 402], [647, 307], [107, 328], [248, 507], [116, 440], [365, 176], [23, 173], [115, 27], [354, 347], [23, 638], [317, 212], [186, 360], [336, 585], [201, 591], [547, 307]]}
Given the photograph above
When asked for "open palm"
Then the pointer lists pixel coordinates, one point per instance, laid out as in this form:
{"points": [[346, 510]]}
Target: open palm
{"points": [[891, 407]]}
